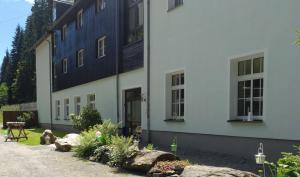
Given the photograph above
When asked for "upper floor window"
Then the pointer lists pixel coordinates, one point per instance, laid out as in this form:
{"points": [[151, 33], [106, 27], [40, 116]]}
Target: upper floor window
{"points": [[134, 21], [80, 56], [64, 32], [79, 20], [247, 87], [172, 4], [100, 5], [101, 47], [65, 66], [91, 100]]}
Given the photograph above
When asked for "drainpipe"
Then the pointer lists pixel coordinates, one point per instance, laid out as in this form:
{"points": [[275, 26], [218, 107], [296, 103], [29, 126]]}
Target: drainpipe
{"points": [[117, 58], [50, 78], [148, 72]]}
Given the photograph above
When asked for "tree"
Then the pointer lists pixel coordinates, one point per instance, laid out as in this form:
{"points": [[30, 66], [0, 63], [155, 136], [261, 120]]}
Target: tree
{"points": [[3, 94]]}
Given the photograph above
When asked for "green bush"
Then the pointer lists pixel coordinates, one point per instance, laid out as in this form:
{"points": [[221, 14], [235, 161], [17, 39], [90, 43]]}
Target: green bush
{"points": [[121, 150], [108, 128], [101, 154], [88, 118], [287, 166], [88, 143]]}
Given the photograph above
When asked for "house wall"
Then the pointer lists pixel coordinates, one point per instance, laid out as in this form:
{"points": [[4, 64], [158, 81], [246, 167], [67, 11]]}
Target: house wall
{"points": [[201, 38], [42, 81]]}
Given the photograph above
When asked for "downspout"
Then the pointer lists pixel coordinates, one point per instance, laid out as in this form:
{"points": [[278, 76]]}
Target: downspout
{"points": [[117, 59], [50, 78], [148, 72]]}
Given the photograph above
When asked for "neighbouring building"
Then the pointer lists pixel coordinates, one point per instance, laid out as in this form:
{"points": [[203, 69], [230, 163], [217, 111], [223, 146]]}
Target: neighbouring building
{"points": [[221, 76]]}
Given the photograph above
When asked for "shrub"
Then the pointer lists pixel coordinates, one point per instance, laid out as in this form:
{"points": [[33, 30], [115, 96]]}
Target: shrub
{"points": [[150, 147], [87, 118], [108, 128], [88, 143], [121, 150], [287, 166], [101, 154]]}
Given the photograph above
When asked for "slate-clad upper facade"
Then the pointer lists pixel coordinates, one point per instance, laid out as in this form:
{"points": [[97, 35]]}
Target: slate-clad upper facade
{"points": [[110, 23]]}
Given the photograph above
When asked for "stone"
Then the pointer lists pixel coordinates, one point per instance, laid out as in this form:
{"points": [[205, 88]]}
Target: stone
{"points": [[66, 143], [146, 159], [208, 171], [47, 137]]}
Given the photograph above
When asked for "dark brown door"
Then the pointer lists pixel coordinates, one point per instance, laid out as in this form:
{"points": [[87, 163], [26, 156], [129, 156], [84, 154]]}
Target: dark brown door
{"points": [[132, 110]]}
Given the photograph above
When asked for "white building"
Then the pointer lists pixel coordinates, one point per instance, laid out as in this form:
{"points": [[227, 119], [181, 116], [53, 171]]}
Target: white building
{"points": [[220, 76]]}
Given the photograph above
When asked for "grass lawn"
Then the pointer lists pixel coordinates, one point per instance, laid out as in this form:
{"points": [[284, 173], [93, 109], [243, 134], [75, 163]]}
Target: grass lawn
{"points": [[34, 135]]}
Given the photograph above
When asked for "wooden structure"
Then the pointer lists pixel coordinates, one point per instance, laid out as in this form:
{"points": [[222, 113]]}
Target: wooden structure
{"points": [[11, 116], [15, 125]]}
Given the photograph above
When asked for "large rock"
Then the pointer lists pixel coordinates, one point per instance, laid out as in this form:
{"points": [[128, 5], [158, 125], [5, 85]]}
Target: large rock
{"points": [[146, 159], [66, 143], [47, 134], [207, 171]]}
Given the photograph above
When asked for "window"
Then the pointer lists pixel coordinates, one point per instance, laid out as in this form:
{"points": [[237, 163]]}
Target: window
{"points": [[91, 99], [250, 87], [64, 32], [66, 108], [172, 4], [57, 109], [175, 95], [65, 66], [80, 55], [101, 47], [134, 21], [54, 74], [100, 5], [77, 101], [79, 19]]}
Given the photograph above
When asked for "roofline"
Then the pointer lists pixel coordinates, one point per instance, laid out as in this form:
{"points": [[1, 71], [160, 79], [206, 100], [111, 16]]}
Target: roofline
{"points": [[42, 39]]}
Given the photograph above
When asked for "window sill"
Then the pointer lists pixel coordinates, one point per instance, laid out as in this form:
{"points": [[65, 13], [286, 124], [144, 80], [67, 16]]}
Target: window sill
{"points": [[174, 120], [245, 121]]}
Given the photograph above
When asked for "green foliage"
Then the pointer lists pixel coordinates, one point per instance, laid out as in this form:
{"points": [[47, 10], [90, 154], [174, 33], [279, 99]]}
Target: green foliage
{"points": [[108, 128], [298, 38], [150, 147], [88, 118], [121, 150], [287, 166], [101, 154], [88, 143], [3, 94]]}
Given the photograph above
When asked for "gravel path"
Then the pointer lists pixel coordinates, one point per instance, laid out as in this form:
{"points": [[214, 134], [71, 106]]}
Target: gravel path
{"points": [[42, 161]]}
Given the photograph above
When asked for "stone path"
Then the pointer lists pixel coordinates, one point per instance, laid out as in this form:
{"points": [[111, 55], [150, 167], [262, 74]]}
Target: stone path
{"points": [[42, 161]]}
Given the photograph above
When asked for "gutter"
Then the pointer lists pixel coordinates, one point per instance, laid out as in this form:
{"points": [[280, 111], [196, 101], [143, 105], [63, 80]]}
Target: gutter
{"points": [[148, 72], [117, 59]]}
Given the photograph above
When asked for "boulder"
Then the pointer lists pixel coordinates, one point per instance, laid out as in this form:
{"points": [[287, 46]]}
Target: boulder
{"points": [[66, 143], [47, 134], [146, 159], [207, 171]]}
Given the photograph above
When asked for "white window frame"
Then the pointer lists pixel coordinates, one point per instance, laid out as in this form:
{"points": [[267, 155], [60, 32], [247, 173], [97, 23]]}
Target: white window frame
{"points": [[66, 108], [65, 65], [235, 79], [173, 4], [80, 58], [101, 47], [79, 21], [169, 95], [57, 109], [64, 32], [91, 103], [100, 5], [77, 105]]}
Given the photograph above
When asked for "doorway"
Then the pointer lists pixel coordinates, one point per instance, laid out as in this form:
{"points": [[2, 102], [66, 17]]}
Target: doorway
{"points": [[132, 111]]}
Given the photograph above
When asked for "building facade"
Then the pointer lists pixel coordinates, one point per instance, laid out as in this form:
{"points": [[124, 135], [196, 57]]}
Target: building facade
{"points": [[218, 76]]}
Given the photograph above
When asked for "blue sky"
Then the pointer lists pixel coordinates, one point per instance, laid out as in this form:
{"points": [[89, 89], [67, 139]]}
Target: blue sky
{"points": [[12, 13]]}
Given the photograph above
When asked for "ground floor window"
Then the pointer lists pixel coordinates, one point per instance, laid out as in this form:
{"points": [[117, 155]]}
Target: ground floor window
{"points": [[77, 101], [57, 109], [66, 109], [91, 100]]}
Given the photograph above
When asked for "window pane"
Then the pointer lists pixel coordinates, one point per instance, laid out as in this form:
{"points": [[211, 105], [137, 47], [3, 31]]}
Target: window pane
{"points": [[256, 65], [255, 110], [248, 67], [241, 68], [247, 107], [241, 90], [182, 109], [247, 89], [182, 78], [174, 95], [182, 95], [241, 108]]}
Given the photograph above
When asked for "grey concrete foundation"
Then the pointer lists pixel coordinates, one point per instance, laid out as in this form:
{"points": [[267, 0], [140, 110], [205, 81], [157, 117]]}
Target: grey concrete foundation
{"points": [[237, 146], [60, 127]]}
